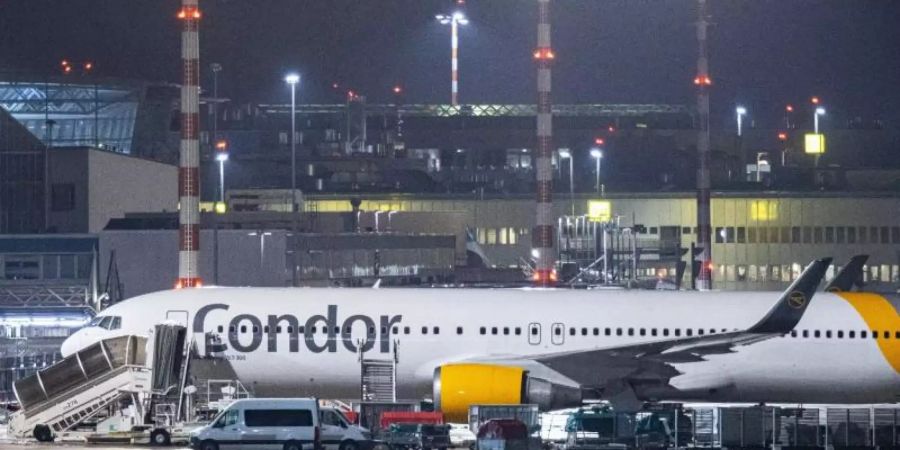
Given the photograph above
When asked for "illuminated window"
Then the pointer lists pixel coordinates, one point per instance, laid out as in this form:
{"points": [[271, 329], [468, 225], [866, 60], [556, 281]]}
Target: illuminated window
{"points": [[491, 236], [502, 236]]}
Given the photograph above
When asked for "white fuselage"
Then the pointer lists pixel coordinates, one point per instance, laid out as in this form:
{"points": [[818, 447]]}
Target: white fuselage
{"points": [[431, 327]]}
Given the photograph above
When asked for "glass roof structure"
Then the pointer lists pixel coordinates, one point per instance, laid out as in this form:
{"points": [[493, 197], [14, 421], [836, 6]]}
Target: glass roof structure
{"points": [[65, 114]]}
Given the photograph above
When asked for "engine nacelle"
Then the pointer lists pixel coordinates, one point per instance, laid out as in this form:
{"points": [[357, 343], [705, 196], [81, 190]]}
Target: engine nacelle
{"points": [[458, 386]]}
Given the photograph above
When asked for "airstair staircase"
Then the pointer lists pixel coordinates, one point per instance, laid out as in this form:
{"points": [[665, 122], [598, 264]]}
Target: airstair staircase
{"points": [[378, 378]]}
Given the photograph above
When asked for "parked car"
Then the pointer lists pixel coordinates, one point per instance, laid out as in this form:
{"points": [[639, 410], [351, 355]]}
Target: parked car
{"points": [[292, 424]]}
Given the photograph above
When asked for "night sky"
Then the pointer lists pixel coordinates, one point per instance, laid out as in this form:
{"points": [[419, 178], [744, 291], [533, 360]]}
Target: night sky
{"points": [[764, 53]]}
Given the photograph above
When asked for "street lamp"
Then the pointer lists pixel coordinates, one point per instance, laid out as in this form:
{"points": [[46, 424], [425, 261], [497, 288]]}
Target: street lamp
{"points": [[740, 112], [820, 111], [566, 154], [292, 79], [597, 154], [454, 20], [221, 157]]}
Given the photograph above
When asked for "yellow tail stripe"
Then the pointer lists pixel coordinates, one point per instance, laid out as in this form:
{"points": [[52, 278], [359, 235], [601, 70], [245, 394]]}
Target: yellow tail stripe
{"points": [[880, 316]]}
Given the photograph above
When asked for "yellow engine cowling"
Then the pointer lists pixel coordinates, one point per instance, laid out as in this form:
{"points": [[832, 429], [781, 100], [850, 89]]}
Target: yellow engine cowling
{"points": [[458, 386]]}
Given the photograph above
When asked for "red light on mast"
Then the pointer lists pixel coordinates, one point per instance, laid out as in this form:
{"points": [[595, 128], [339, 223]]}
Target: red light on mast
{"points": [[789, 108], [398, 90], [599, 141], [782, 136], [815, 100]]}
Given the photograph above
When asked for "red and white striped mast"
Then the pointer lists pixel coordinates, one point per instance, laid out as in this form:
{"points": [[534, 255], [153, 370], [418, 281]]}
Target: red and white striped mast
{"points": [[542, 236], [188, 170], [704, 183]]}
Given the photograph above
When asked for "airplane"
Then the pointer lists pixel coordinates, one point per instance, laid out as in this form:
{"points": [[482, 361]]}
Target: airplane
{"points": [[553, 347]]}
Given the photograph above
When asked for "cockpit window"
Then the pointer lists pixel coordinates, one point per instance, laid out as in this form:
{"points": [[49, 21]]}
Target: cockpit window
{"points": [[106, 322]]}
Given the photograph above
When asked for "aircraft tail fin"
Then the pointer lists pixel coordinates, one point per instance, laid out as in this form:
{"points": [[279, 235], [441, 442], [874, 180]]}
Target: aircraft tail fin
{"points": [[848, 276], [785, 315]]}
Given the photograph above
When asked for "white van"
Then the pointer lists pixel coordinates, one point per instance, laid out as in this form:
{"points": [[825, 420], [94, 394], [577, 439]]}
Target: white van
{"points": [[339, 434], [262, 423]]}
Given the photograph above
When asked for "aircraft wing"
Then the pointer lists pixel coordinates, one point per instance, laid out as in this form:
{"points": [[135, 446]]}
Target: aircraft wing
{"points": [[608, 368]]}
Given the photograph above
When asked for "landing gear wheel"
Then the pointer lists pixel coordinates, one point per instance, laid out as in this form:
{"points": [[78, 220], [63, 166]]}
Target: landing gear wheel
{"points": [[160, 438], [293, 445], [209, 445], [42, 433], [348, 445]]}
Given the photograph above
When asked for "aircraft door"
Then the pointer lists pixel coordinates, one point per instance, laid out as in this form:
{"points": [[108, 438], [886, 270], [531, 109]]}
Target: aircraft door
{"points": [[178, 316], [534, 333], [558, 334]]}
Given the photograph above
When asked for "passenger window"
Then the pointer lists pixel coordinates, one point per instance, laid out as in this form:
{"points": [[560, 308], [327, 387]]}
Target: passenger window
{"points": [[840, 334], [665, 331], [396, 330], [712, 331], [243, 328], [886, 335], [700, 331], [607, 332], [534, 331], [596, 332], [643, 332], [220, 329], [828, 334], [506, 331], [618, 331], [631, 331], [290, 329], [405, 330], [301, 329], [851, 334], [817, 334], [874, 334], [255, 329], [436, 330], [863, 334], [483, 330], [278, 329], [231, 329], [793, 333], [424, 330], [653, 332], [265, 329], [518, 331], [584, 331], [806, 333], [557, 331], [383, 330], [494, 330], [678, 332], [312, 330], [896, 334], [689, 332], [572, 331], [459, 330]]}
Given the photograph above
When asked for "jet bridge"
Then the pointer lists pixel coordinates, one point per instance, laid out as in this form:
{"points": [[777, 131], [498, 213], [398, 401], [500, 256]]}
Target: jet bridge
{"points": [[90, 383]]}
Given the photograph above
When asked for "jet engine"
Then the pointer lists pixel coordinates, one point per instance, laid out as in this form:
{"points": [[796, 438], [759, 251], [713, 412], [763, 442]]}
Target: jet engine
{"points": [[458, 386]]}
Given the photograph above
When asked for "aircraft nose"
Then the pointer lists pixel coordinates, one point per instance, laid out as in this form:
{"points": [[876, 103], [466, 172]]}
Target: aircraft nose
{"points": [[72, 344]]}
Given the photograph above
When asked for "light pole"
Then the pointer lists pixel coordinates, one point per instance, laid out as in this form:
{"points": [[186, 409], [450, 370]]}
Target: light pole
{"points": [[597, 154], [454, 20], [740, 112], [788, 111], [820, 111], [221, 157], [292, 80], [566, 154]]}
